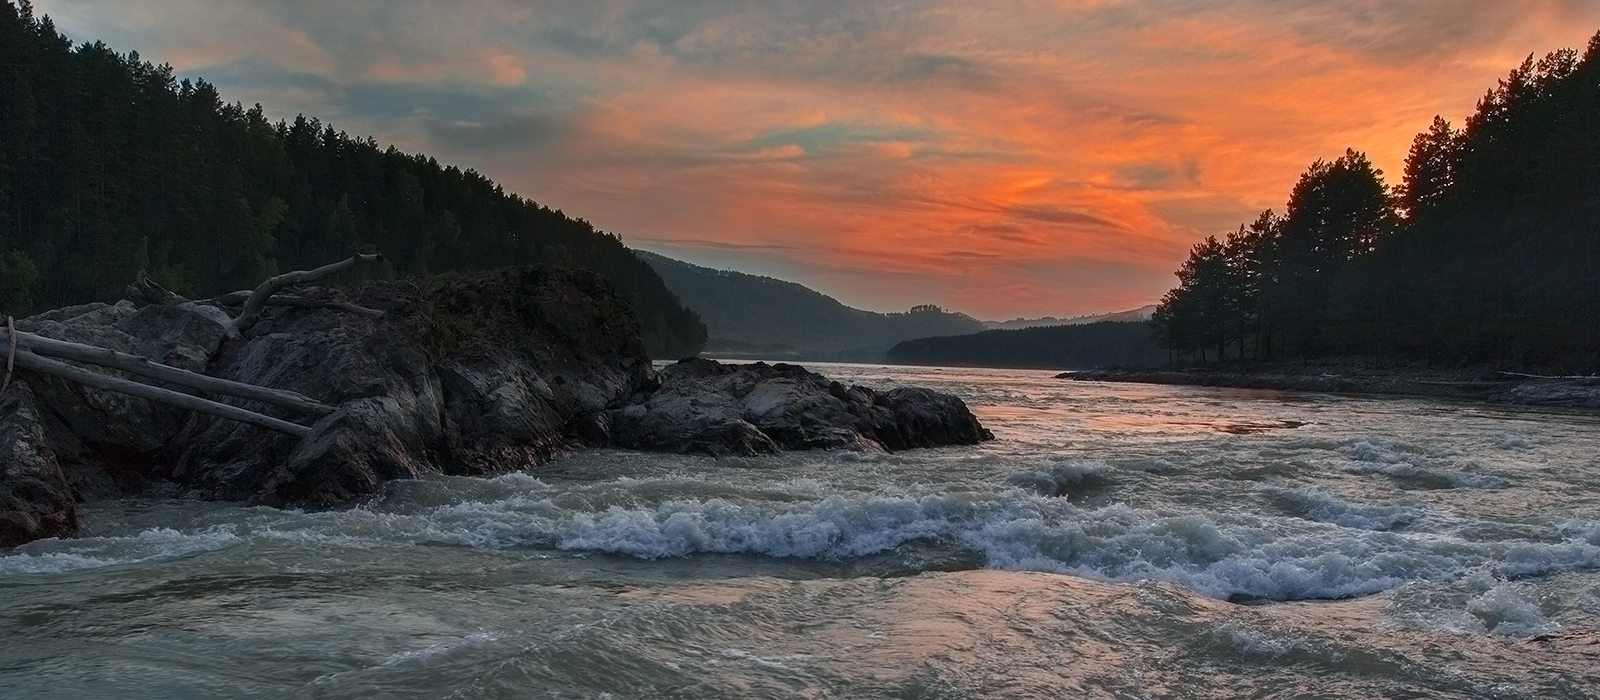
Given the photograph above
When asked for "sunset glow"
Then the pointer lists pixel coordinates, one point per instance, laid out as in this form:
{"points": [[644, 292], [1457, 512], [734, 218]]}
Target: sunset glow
{"points": [[1003, 159]]}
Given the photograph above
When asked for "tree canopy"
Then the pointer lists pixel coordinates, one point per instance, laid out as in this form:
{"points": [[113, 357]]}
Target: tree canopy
{"points": [[110, 165], [1486, 253]]}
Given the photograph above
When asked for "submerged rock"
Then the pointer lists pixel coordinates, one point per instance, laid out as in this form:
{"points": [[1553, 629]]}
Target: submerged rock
{"points": [[477, 375], [705, 406]]}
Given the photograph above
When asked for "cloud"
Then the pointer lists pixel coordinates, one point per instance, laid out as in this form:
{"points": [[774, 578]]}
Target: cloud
{"points": [[717, 245], [1002, 157], [517, 131], [1059, 215]]}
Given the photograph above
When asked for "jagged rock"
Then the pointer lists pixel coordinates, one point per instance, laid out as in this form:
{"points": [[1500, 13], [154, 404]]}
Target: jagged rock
{"points": [[705, 406], [35, 500], [465, 376], [470, 376]]}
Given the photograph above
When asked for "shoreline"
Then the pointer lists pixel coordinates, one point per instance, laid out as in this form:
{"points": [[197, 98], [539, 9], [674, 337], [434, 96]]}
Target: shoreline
{"points": [[1332, 378]]}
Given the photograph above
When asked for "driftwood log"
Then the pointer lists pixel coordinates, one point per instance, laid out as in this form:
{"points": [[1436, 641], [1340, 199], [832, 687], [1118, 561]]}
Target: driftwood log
{"points": [[35, 353], [28, 360], [142, 366]]}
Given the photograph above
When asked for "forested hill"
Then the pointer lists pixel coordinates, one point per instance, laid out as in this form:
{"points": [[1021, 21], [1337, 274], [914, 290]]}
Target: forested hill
{"points": [[753, 316], [108, 165], [1487, 253], [1140, 314], [1079, 346]]}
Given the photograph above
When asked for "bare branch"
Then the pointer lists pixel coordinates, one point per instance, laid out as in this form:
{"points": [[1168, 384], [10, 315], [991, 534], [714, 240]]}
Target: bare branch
{"points": [[236, 298], [142, 288], [258, 298]]}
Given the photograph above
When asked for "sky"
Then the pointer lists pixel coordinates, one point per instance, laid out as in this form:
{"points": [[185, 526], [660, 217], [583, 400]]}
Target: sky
{"points": [[1004, 158]]}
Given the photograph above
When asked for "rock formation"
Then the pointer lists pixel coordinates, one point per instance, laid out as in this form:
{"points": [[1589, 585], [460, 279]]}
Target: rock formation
{"points": [[704, 406], [477, 375]]}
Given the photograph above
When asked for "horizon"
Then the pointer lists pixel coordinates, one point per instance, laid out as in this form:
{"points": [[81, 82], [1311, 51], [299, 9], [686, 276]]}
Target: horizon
{"points": [[1019, 162], [914, 306]]}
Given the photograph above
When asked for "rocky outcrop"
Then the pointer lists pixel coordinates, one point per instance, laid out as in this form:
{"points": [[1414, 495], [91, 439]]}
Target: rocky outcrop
{"points": [[466, 376], [704, 406]]}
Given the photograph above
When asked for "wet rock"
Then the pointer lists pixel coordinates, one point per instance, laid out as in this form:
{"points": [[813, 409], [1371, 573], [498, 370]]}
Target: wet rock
{"points": [[708, 407], [478, 375]]}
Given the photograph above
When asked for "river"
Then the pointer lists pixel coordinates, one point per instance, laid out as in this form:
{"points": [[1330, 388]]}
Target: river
{"points": [[1114, 541]]}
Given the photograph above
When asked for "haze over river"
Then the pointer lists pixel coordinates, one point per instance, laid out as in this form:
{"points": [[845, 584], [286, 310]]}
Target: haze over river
{"points": [[1116, 540]]}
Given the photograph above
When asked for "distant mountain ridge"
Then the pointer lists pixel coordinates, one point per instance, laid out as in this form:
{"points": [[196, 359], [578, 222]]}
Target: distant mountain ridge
{"points": [[1066, 346], [1142, 313], [753, 316]]}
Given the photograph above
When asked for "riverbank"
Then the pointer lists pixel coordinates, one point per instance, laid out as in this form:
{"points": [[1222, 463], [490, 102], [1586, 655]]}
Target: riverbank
{"points": [[1465, 384]]}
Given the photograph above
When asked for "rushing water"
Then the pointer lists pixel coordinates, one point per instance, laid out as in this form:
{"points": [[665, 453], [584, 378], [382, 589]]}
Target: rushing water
{"points": [[1116, 540]]}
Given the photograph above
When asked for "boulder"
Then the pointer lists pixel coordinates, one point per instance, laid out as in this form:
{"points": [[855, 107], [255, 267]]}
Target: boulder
{"points": [[708, 407]]}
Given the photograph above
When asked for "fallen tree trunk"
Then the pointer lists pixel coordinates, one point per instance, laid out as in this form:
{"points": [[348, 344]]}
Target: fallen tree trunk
{"points": [[142, 366], [28, 360], [29, 351], [258, 298]]}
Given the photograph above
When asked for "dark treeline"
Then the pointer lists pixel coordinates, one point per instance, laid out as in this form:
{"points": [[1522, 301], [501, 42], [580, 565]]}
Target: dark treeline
{"points": [[1083, 346], [109, 166], [1487, 253]]}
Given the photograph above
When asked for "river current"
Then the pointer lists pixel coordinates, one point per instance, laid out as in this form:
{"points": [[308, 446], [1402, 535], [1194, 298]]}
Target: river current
{"points": [[1115, 541]]}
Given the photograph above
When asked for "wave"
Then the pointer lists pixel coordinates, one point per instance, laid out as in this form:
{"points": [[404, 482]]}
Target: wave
{"points": [[1424, 467], [155, 544], [1323, 548], [1064, 477], [1477, 603], [1326, 508]]}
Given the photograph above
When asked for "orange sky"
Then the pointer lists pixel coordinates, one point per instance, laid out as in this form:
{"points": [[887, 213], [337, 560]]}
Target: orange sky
{"points": [[1027, 158]]}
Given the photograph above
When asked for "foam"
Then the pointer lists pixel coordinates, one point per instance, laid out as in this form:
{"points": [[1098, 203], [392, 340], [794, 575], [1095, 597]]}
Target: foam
{"points": [[1351, 550], [1479, 602], [834, 528], [54, 556], [431, 651], [1508, 441], [1325, 547], [1434, 466]]}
